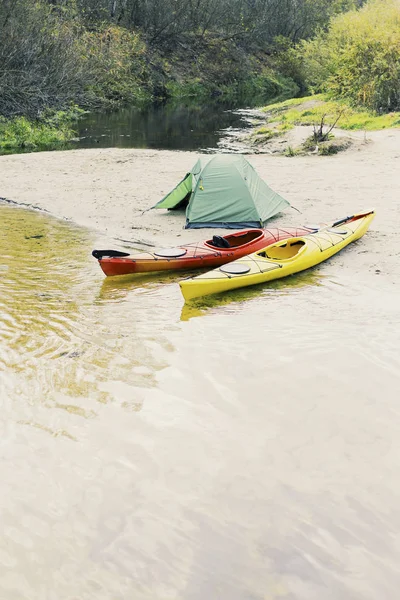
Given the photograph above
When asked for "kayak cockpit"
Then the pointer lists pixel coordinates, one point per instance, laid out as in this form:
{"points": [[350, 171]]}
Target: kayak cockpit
{"points": [[284, 250], [234, 240]]}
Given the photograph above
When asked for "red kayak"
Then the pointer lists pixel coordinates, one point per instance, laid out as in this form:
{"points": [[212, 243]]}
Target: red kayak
{"points": [[207, 254]]}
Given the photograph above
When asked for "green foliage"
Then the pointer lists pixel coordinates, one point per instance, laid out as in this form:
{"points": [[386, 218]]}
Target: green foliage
{"points": [[264, 131], [333, 147], [290, 151], [282, 106], [359, 57], [254, 24], [288, 61], [311, 109], [50, 60], [102, 54], [191, 88], [39, 57], [117, 59], [263, 135], [268, 84], [219, 69], [283, 127], [324, 148], [52, 130]]}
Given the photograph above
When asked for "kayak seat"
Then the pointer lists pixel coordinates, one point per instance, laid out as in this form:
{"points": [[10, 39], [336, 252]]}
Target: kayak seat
{"points": [[219, 242]]}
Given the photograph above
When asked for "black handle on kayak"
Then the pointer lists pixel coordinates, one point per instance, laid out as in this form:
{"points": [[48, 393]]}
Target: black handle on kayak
{"points": [[340, 221], [99, 254]]}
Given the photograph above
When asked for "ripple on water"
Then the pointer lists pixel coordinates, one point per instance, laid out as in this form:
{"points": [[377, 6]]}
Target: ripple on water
{"points": [[62, 329]]}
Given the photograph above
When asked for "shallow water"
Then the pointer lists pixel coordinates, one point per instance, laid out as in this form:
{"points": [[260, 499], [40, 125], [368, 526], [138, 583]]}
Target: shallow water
{"points": [[245, 448]]}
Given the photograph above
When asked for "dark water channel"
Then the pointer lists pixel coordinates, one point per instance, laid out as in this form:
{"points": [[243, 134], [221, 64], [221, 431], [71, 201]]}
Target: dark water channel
{"points": [[168, 127]]}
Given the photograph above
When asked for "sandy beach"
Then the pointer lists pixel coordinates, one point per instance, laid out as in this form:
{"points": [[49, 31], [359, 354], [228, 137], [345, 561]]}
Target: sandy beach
{"points": [[109, 189]]}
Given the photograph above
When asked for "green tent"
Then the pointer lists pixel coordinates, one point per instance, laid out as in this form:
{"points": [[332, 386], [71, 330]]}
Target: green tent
{"points": [[224, 191]]}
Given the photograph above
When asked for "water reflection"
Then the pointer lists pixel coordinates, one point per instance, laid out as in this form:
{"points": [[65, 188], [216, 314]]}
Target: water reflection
{"points": [[275, 289], [169, 126], [116, 288]]}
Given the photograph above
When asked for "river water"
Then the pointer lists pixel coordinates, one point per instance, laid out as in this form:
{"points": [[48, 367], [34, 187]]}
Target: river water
{"points": [[166, 127], [242, 449]]}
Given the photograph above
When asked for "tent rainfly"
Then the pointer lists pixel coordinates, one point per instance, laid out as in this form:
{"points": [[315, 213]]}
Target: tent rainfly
{"points": [[224, 191]]}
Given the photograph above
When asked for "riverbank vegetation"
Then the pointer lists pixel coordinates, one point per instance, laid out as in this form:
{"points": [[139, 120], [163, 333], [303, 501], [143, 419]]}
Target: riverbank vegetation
{"points": [[52, 130], [320, 116], [358, 57], [57, 55], [355, 63], [312, 110]]}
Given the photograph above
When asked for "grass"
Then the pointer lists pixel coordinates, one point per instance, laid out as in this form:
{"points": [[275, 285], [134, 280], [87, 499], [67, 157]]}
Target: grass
{"points": [[54, 129], [311, 109], [278, 107], [290, 151], [263, 135]]}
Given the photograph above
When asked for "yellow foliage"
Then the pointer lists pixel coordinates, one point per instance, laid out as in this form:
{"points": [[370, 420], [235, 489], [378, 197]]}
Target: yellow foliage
{"points": [[359, 57]]}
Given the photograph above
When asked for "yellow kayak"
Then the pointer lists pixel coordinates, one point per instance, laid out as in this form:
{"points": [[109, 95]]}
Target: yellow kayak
{"points": [[280, 259]]}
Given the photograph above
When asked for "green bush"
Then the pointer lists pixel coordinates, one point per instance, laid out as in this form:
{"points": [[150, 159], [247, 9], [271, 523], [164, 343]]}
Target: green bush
{"points": [[54, 129], [359, 57]]}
